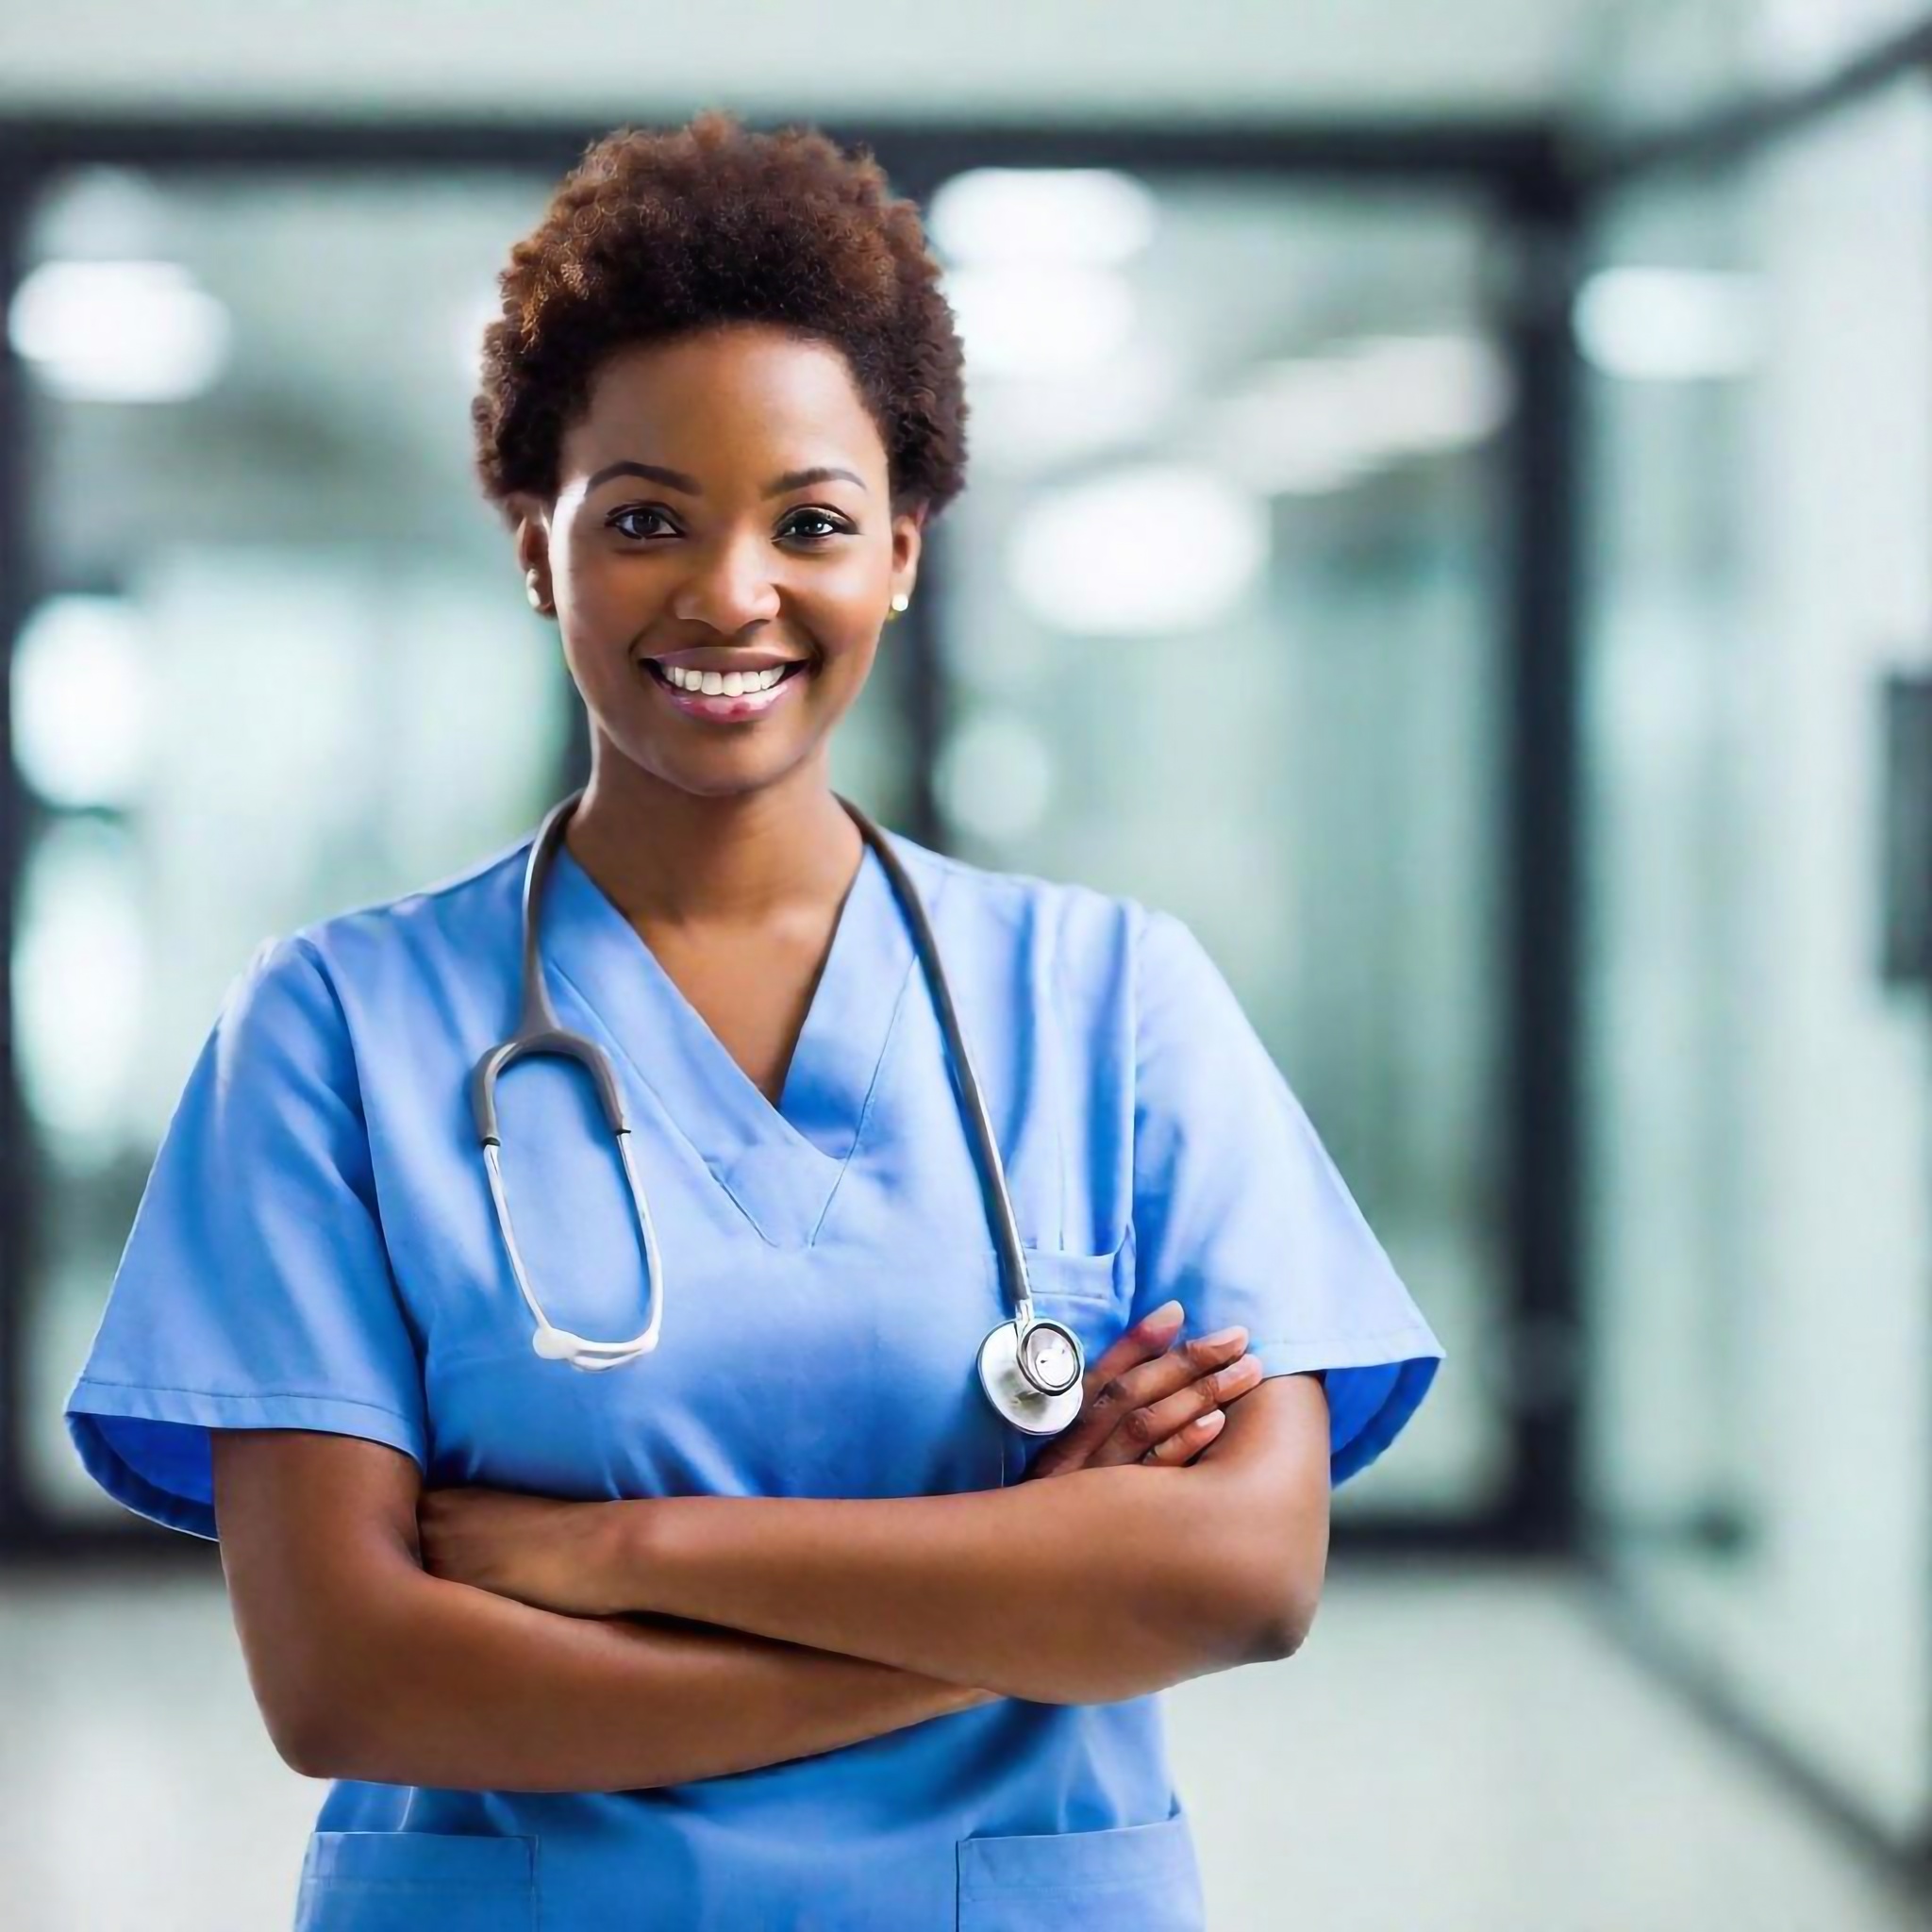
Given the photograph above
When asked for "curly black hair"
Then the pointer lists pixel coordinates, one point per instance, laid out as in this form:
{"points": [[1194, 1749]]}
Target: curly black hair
{"points": [[656, 234]]}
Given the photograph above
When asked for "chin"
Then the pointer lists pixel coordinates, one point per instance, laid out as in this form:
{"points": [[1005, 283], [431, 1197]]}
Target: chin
{"points": [[728, 773]]}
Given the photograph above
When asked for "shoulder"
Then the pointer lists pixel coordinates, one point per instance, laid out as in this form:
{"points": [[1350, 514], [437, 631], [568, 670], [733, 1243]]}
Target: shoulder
{"points": [[1076, 926], [448, 910], [317, 975], [1021, 900], [430, 927], [1124, 973]]}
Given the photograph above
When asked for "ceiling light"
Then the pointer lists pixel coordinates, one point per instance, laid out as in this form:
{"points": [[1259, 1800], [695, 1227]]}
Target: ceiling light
{"points": [[119, 331], [1150, 550], [1094, 216], [1670, 324]]}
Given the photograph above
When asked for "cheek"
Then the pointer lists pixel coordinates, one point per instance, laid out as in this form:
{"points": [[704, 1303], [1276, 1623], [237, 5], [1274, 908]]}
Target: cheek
{"points": [[846, 664], [844, 618], [603, 599], [601, 671]]}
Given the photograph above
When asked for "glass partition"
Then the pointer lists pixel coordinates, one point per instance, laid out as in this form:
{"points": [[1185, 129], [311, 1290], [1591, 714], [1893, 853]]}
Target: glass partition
{"points": [[1760, 1415], [1221, 632], [282, 664], [1231, 642]]}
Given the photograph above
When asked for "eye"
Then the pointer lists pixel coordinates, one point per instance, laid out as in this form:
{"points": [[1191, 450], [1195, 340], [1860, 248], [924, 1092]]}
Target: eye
{"points": [[617, 517], [834, 528], [831, 525]]}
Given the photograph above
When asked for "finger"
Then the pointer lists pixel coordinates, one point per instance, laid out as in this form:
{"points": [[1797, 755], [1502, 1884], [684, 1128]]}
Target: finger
{"points": [[1114, 1427], [1152, 1335], [1149, 1338], [1155, 1425], [1184, 1363], [1111, 1399], [1188, 1442], [1119, 1403]]}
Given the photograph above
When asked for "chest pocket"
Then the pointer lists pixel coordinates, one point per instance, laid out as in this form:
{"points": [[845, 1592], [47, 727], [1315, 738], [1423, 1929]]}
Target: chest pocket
{"points": [[1143, 1876], [401, 1881]]}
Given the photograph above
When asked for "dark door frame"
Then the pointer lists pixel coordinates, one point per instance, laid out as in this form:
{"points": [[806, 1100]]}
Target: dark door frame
{"points": [[1518, 169]]}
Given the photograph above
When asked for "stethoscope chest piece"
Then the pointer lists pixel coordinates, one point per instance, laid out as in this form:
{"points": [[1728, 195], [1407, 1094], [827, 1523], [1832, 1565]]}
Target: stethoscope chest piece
{"points": [[1046, 1401]]}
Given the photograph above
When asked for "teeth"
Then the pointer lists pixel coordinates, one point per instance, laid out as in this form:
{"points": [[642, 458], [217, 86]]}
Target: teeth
{"points": [[722, 683]]}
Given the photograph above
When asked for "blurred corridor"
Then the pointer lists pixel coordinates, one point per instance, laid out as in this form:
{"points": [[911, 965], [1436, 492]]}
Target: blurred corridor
{"points": [[1451, 518], [1358, 1787]]}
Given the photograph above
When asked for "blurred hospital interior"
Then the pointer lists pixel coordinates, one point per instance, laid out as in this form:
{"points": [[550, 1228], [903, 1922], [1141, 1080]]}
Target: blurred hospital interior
{"points": [[1450, 516]]}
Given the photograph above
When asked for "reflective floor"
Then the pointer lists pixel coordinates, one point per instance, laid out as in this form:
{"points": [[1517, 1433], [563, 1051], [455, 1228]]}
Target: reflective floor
{"points": [[1451, 1752]]}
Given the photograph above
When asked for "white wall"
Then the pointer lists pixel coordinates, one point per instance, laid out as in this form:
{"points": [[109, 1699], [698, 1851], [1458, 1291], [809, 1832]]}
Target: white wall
{"points": [[1011, 59]]}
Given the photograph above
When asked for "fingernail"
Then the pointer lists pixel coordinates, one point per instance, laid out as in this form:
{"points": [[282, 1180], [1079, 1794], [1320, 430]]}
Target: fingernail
{"points": [[1162, 1316], [1224, 1334]]}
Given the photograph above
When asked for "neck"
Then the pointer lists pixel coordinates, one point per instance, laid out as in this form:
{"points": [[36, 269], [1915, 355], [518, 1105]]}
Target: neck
{"points": [[672, 857]]}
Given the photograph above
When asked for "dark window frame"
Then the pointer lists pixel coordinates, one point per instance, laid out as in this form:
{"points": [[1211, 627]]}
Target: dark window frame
{"points": [[1517, 168]]}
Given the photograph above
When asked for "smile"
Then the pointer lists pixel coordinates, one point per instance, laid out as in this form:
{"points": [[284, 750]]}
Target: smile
{"points": [[723, 695]]}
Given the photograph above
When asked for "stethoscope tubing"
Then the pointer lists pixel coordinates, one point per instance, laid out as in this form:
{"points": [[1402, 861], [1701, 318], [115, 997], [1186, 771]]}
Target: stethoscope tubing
{"points": [[1010, 1378]]}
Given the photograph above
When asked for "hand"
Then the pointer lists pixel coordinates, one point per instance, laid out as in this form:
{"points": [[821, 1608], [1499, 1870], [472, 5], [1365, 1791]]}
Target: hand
{"points": [[555, 1555], [1147, 1401]]}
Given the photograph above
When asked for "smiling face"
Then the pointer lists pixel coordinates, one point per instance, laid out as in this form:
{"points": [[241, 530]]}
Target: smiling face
{"points": [[721, 508]]}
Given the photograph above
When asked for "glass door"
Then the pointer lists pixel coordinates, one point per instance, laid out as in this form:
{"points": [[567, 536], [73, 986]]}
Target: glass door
{"points": [[1759, 340]]}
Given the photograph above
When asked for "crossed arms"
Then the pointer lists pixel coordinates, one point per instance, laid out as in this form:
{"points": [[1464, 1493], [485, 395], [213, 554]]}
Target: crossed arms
{"points": [[708, 1634]]}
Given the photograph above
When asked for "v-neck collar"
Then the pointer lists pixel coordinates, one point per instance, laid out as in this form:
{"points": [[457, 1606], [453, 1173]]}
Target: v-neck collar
{"points": [[780, 1164]]}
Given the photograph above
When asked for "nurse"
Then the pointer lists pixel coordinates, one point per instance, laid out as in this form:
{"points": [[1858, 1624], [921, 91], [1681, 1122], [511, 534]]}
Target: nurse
{"points": [[777, 1623]]}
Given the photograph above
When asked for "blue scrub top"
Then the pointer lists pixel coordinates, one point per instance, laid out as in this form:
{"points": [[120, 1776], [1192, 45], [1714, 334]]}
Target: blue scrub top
{"points": [[316, 1249]]}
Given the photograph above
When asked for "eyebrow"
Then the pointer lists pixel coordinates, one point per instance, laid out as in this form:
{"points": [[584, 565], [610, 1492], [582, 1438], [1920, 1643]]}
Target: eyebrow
{"points": [[677, 479]]}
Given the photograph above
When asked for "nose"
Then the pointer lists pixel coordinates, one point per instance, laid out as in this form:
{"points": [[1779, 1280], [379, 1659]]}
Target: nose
{"points": [[729, 586]]}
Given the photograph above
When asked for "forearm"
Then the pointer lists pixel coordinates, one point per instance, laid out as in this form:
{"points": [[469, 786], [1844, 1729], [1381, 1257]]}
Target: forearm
{"points": [[1092, 1587], [455, 1688]]}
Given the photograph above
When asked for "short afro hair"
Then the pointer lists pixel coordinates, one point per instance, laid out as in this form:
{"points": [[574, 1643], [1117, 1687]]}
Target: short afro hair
{"points": [[656, 234]]}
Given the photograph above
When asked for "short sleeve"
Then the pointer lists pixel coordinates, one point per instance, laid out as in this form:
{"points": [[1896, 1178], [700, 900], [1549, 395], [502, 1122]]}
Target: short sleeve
{"points": [[1241, 1215], [255, 1289]]}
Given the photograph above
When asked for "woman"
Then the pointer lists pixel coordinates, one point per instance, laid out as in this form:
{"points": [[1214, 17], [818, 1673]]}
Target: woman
{"points": [[767, 1624]]}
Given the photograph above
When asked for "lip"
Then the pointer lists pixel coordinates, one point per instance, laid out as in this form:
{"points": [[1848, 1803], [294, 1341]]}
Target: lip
{"points": [[743, 709], [708, 658]]}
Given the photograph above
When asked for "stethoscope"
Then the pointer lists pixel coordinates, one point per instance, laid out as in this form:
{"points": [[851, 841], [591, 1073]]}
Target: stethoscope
{"points": [[1030, 1366]]}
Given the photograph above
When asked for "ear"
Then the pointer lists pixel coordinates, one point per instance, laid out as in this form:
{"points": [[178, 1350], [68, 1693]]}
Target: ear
{"points": [[529, 520], [908, 530]]}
